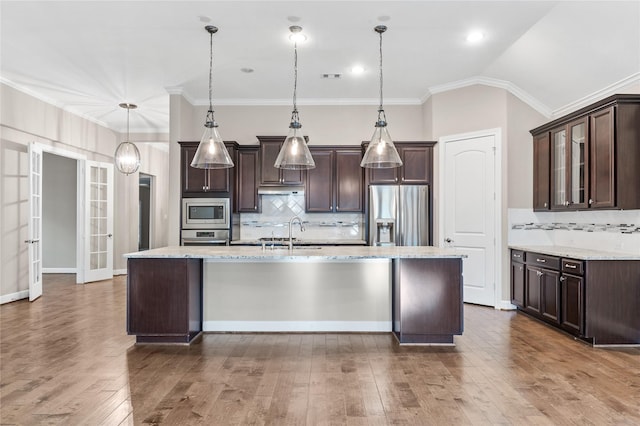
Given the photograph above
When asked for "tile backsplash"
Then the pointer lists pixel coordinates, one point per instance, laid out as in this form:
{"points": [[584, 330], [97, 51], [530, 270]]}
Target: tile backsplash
{"points": [[608, 230], [277, 210]]}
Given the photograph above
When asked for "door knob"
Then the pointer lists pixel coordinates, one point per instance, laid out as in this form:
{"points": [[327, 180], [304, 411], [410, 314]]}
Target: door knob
{"points": [[448, 240], [109, 235]]}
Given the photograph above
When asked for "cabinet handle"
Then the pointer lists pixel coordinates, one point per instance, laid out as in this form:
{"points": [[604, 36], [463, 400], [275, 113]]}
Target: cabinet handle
{"points": [[545, 204], [539, 273], [590, 201], [562, 279], [517, 256], [566, 203], [570, 266], [541, 260]]}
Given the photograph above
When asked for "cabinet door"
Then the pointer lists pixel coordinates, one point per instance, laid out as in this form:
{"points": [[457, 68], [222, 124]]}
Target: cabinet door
{"points": [[550, 295], [602, 154], [532, 290], [518, 277], [349, 181], [578, 164], [269, 175], [572, 301], [541, 163], [247, 172], [384, 176], [319, 186], [416, 164], [559, 175], [194, 181]]}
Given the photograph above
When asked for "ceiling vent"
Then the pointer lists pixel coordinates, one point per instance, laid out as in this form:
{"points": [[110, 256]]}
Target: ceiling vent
{"points": [[331, 76]]}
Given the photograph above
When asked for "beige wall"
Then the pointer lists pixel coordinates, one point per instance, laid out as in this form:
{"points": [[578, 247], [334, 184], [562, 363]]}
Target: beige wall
{"points": [[25, 119]]}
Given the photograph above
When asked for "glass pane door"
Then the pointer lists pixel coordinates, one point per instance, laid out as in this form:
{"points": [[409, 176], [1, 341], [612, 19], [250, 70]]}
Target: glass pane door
{"points": [[559, 168], [578, 163], [99, 221], [35, 221]]}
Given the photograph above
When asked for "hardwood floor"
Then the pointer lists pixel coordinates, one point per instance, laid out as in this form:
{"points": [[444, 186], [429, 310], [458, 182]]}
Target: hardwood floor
{"points": [[66, 359]]}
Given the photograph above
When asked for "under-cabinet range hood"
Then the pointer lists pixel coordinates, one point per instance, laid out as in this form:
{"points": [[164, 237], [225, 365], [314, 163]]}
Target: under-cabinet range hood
{"points": [[281, 190]]}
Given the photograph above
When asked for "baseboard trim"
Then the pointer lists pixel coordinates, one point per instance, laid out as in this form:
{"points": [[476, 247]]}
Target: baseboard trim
{"points": [[119, 272], [7, 298], [298, 326], [59, 270], [505, 305]]}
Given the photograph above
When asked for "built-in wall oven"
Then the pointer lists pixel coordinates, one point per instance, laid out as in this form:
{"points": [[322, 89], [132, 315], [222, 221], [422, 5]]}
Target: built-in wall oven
{"points": [[205, 222], [204, 237]]}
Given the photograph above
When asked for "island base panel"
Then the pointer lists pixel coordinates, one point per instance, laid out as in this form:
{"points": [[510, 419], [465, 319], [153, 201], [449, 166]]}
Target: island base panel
{"points": [[424, 339], [192, 337]]}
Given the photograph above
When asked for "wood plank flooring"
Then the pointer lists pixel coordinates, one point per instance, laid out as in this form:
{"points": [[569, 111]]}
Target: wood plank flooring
{"points": [[66, 359]]}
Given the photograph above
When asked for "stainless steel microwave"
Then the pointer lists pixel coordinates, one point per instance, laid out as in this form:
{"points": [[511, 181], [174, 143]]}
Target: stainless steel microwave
{"points": [[205, 213]]}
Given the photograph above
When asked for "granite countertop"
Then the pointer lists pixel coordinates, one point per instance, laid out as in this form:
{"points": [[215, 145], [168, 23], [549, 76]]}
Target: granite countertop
{"points": [[298, 253], [578, 253], [299, 241]]}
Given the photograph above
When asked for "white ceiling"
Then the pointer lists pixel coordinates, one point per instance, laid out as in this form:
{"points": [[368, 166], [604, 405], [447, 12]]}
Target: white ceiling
{"points": [[89, 56]]}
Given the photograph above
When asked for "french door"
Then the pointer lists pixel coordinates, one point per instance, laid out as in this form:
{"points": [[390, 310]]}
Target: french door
{"points": [[98, 221], [35, 221]]}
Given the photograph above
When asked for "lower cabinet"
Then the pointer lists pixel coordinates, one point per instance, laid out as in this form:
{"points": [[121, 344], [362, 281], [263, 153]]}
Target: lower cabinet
{"points": [[164, 298], [595, 300]]}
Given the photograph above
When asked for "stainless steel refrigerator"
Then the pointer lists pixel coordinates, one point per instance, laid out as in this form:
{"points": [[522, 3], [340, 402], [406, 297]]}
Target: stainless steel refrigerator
{"points": [[399, 215]]}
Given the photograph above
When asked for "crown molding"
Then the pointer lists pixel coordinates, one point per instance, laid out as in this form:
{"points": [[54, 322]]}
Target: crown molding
{"points": [[39, 96], [612, 89], [493, 82], [309, 102]]}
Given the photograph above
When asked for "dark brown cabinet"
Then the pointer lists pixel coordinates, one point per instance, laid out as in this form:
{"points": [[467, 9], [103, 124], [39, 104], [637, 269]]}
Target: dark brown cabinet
{"points": [[518, 278], [594, 157], [417, 165], [247, 172], [595, 300], [336, 183], [270, 175], [541, 175], [204, 182], [164, 299]]}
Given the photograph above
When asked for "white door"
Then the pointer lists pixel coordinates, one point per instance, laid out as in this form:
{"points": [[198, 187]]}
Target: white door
{"points": [[98, 258], [35, 221], [469, 212]]}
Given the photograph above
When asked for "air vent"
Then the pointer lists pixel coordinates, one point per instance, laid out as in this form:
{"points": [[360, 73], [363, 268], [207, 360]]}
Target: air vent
{"points": [[331, 76]]}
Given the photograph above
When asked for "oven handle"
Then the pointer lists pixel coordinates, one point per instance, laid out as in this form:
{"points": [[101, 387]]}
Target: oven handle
{"points": [[200, 240]]}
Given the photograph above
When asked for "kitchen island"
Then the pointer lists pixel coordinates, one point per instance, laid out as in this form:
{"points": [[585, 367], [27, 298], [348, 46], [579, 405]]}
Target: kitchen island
{"points": [[176, 293]]}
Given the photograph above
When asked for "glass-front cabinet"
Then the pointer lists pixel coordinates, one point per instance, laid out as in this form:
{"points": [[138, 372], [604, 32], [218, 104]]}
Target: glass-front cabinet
{"points": [[569, 166]]}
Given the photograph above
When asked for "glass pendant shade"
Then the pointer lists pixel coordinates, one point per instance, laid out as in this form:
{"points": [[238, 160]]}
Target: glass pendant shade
{"points": [[211, 152], [295, 154], [127, 158], [381, 152]]}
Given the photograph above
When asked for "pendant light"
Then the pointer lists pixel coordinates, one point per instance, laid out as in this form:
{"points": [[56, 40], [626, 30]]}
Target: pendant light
{"points": [[127, 156], [381, 152], [294, 153], [211, 152]]}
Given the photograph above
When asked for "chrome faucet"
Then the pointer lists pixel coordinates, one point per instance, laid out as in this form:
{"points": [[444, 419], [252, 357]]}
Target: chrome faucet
{"points": [[293, 219]]}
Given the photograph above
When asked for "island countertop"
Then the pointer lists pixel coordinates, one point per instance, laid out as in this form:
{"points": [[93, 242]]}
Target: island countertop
{"points": [[298, 252]]}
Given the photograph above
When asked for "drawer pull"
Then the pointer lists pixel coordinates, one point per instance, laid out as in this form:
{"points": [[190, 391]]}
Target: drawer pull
{"points": [[541, 260], [517, 256], [568, 265]]}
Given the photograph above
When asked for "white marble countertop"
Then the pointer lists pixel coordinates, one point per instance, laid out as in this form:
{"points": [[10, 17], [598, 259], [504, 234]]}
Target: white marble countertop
{"points": [[299, 241], [578, 253], [298, 253]]}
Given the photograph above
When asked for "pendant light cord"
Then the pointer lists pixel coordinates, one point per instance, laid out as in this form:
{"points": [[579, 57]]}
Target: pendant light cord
{"points": [[210, 121], [294, 113], [382, 119], [128, 137]]}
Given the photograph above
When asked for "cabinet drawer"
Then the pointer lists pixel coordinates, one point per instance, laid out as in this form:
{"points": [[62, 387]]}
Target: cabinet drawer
{"points": [[572, 266], [543, 260], [517, 255]]}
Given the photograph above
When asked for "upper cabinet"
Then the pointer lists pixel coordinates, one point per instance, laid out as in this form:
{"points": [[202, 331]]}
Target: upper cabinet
{"points": [[336, 183], [417, 165], [204, 182], [593, 158], [247, 172], [270, 175]]}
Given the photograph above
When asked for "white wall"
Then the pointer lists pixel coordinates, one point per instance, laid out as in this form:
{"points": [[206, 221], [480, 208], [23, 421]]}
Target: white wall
{"points": [[59, 205], [25, 119]]}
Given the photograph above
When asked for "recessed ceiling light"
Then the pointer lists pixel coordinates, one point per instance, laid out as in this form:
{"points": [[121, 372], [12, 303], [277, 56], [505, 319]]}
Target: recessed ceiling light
{"points": [[357, 69], [293, 18], [474, 36], [204, 19], [247, 70], [384, 18]]}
